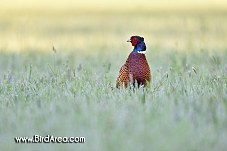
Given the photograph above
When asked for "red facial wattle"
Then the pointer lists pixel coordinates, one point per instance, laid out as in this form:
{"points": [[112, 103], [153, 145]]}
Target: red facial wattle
{"points": [[134, 40]]}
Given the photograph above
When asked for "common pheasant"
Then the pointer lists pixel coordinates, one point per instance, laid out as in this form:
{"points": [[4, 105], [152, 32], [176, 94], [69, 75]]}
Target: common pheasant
{"points": [[136, 70]]}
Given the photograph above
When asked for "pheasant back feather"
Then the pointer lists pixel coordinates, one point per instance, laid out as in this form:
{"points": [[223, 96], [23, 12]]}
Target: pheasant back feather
{"points": [[123, 77]]}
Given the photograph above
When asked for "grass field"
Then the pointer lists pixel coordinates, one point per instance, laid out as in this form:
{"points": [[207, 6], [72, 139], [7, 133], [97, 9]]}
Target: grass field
{"points": [[68, 92]]}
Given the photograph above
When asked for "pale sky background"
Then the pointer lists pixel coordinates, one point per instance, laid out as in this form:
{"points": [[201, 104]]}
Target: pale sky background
{"points": [[108, 4]]}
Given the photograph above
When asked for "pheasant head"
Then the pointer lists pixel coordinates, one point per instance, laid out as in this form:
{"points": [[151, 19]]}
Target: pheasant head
{"points": [[138, 43]]}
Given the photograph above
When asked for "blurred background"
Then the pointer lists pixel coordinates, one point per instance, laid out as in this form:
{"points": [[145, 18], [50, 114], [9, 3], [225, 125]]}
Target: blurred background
{"points": [[98, 25]]}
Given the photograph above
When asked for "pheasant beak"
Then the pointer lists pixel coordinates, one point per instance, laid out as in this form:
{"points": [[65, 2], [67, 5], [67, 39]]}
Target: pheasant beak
{"points": [[129, 40]]}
